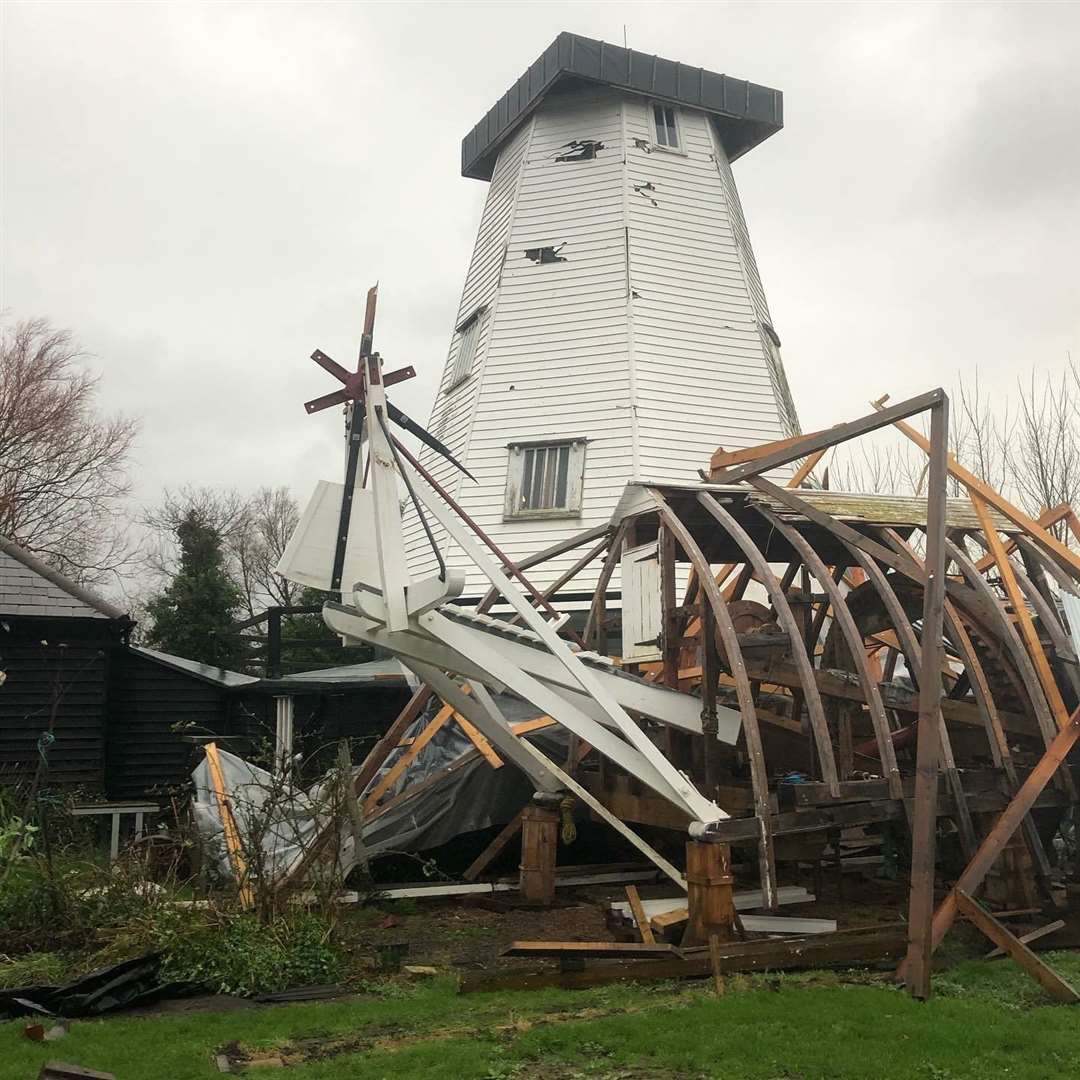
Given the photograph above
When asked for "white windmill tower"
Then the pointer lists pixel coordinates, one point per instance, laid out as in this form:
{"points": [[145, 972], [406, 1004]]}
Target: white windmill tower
{"points": [[613, 325]]}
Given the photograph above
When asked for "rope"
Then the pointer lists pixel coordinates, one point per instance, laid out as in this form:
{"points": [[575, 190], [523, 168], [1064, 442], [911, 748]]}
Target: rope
{"points": [[566, 816]]}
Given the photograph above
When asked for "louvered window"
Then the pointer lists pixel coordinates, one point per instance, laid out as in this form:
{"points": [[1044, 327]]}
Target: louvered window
{"points": [[666, 127], [468, 336], [545, 479]]}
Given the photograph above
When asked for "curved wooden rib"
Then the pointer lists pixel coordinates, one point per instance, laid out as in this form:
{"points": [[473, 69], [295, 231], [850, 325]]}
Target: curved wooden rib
{"points": [[964, 823], [1011, 639], [790, 624], [593, 629], [759, 777], [855, 644]]}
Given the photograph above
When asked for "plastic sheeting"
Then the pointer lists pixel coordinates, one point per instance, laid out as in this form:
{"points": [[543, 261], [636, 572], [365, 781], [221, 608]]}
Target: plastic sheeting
{"points": [[462, 793]]}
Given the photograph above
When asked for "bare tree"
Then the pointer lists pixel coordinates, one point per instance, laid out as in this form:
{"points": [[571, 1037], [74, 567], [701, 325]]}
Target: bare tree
{"points": [[254, 531], [63, 465]]}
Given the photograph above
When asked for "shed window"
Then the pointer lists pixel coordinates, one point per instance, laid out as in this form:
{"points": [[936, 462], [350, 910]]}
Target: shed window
{"points": [[468, 336], [667, 129], [545, 479]]}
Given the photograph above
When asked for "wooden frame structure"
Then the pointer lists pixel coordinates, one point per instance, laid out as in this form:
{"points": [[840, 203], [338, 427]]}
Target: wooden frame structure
{"points": [[830, 736]]}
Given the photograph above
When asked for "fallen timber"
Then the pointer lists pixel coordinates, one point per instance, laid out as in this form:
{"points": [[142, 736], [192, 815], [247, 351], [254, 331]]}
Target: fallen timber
{"points": [[860, 946], [767, 669]]}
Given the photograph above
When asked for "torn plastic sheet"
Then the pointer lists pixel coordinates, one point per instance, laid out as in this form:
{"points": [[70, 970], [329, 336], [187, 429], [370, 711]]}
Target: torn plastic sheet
{"points": [[461, 793], [120, 986]]}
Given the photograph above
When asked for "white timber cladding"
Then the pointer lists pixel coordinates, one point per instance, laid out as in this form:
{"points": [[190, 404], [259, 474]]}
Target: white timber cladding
{"points": [[642, 615], [644, 337]]}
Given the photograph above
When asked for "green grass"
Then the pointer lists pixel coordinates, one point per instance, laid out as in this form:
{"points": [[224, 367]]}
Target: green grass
{"points": [[985, 1020]]}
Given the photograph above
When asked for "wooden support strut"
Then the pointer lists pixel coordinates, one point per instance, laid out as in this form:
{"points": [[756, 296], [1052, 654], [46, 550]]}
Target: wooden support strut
{"points": [[924, 820], [1029, 679], [758, 775], [539, 845], [1020, 613], [1066, 558], [1042, 973], [708, 894], [1006, 825], [228, 824]]}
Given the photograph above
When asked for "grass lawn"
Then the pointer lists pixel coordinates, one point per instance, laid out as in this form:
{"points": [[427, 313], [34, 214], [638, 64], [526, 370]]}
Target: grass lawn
{"points": [[987, 1019]]}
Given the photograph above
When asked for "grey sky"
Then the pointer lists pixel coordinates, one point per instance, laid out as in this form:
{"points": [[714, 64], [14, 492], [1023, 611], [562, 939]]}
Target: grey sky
{"points": [[203, 192]]}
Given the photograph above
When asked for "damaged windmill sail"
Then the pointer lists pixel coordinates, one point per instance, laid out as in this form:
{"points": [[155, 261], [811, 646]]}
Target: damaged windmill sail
{"points": [[466, 657]]}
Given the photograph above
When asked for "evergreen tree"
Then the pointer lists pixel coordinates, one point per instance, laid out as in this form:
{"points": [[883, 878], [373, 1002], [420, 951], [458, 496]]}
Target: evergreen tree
{"points": [[193, 616]]}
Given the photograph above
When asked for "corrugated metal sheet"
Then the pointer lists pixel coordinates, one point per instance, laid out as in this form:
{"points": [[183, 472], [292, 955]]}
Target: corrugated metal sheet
{"points": [[750, 113]]}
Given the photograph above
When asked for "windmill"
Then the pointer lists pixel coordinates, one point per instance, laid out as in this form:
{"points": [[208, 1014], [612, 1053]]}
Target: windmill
{"points": [[351, 394]]}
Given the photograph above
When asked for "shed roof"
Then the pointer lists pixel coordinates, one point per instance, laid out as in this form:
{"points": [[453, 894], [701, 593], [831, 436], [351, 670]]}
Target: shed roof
{"points": [[206, 672], [746, 113], [29, 587]]}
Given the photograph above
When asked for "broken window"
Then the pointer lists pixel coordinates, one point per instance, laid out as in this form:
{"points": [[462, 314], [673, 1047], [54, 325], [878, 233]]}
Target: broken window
{"points": [[548, 254], [468, 336], [545, 479], [666, 127]]}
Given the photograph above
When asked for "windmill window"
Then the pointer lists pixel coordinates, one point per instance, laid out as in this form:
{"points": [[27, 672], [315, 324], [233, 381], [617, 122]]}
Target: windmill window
{"points": [[666, 127], [468, 337], [545, 479]]}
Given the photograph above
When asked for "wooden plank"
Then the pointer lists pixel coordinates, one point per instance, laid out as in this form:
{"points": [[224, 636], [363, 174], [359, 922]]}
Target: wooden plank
{"points": [[1020, 614], [928, 749], [994, 843], [845, 947], [716, 958], [591, 949], [820, 440], [563, 546], [486, 750], [395, 772], [644, 929], [1042, 973], [228, 824], [1029, 937], [807, 467], [722, 458], [1046, 519], [1066, 558]]}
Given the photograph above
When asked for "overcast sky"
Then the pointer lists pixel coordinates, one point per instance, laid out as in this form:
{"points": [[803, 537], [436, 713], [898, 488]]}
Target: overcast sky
{"points": [[203, 193]]}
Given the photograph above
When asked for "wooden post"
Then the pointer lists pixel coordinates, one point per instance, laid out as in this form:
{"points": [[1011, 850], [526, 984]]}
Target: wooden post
{"points": [[708, 893], [924, 817], [539, 838]]}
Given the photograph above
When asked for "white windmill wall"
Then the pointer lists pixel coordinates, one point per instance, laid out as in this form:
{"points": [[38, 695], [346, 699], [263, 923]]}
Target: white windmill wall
{"points": [[647, 340]]}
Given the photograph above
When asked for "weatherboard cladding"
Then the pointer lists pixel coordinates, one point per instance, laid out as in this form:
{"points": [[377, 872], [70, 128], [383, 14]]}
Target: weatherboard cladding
{"points": [[750, 113], [646, 340]]}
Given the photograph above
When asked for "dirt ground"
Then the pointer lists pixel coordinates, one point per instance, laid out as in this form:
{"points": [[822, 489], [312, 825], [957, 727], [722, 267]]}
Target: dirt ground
{"points": [[467, 933]]}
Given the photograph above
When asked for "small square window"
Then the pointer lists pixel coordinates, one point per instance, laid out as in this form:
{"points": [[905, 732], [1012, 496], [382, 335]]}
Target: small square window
{"points": [[468, 336], [666, 126], [545, 479]]}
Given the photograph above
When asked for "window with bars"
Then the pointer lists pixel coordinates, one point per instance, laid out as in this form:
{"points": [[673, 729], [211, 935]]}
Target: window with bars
{"points": [[468, 336], [545, 479], [666, 126]]}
